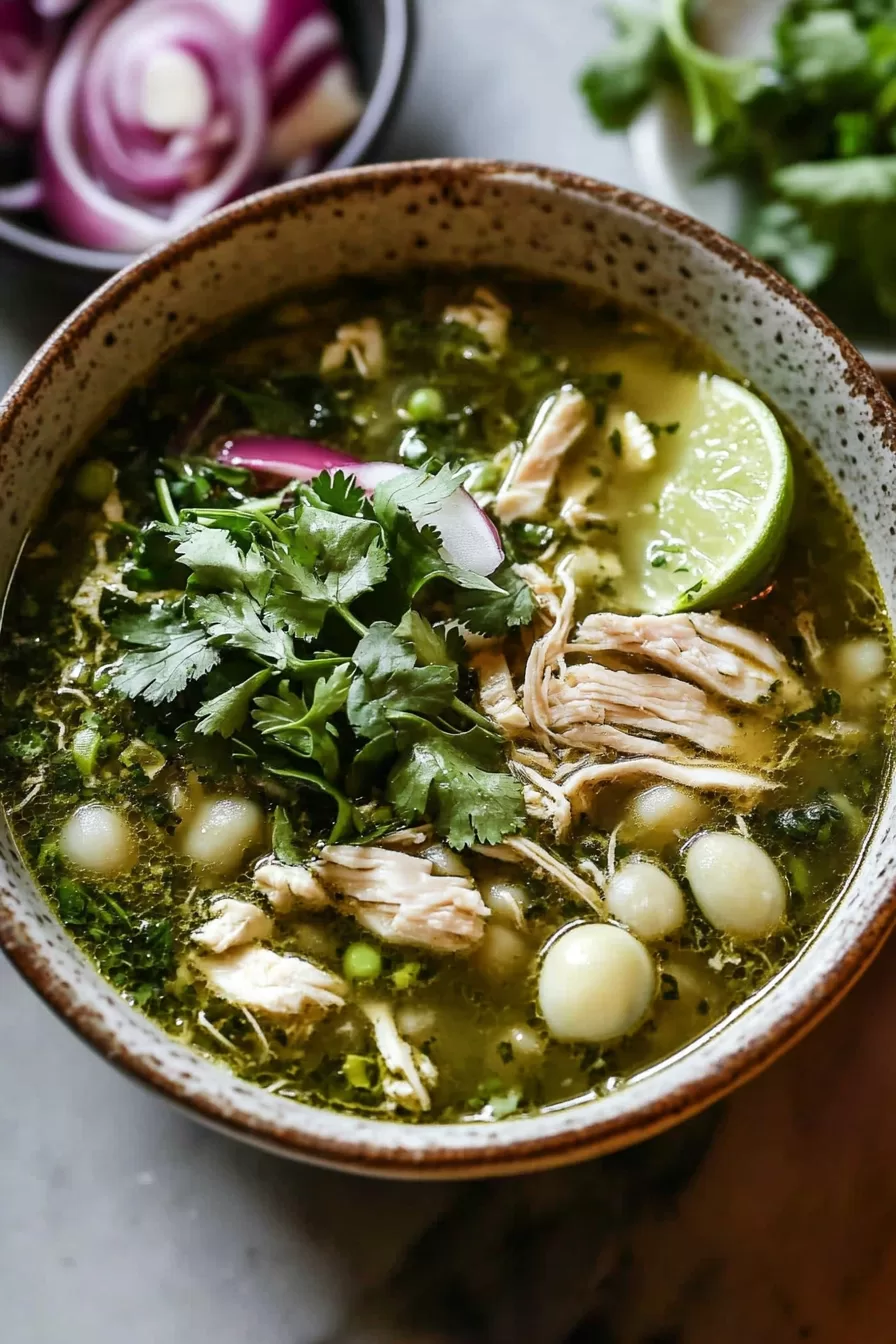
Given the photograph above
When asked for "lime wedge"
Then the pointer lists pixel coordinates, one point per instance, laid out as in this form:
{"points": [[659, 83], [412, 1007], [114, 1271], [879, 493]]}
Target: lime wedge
{"points": [[708, 520]]}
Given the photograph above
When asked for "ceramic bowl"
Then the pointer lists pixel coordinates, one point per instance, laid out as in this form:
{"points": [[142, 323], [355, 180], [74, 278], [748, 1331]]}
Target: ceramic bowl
{"points": [[379, 37], [457, 214]]}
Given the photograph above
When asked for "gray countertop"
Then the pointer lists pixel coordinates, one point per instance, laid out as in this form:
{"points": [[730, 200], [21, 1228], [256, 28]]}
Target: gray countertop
{"points": [[123, 1222]]}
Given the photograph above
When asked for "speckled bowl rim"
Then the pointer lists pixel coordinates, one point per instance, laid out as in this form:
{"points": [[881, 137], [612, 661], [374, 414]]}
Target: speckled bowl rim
{"points": [[442, 1151]]}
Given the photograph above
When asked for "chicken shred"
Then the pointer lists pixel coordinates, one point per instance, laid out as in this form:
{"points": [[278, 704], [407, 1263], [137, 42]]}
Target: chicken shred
{"points": [[398, 897], [544, 800], [288, 884], [515, 848], [361, 342], [233, 923], [485, 315], [392, 894], [578, 780], [590, 693], [561, 419], [703, 648], [268, 982], [497, 692], [409, 1071], [637, 447]]}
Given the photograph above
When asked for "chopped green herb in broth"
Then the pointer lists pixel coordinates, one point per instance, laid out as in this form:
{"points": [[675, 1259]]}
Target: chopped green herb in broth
{"points": [[216, 684]]}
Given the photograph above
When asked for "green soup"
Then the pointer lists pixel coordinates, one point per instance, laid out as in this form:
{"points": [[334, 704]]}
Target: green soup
{"points": [[381, 823]]}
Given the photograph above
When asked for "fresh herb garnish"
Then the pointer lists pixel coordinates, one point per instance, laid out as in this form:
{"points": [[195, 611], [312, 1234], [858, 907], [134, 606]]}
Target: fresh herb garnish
{"points": [[294, 638], [809, 131]]}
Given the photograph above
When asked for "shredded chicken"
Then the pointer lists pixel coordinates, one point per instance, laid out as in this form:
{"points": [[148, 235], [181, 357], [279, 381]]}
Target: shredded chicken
{"points": [[561, 419], [399, 898], [544, 800], [288, 884], [544, 652], [497, 693], [542, 586], [519, 847], [409, 837], [577, 515], [394, 895], [486, 314], [233, 922], [590, 694], [637, 449], [408, 1070], [805, 623], [577, 781], [264, 981], [705, 649], [361, 342]]}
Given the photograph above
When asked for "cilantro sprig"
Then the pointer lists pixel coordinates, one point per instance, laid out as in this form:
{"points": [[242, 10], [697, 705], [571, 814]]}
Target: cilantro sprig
{"points": [[301, 636], [809, 131]]}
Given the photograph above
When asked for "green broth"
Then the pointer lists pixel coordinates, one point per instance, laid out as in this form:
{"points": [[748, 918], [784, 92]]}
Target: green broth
{"points": [[475, 1016]]}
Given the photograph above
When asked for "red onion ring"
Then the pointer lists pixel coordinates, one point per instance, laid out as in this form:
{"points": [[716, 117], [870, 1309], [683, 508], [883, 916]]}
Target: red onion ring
{"points": [[27, 48], [27, 195], [54, 9], [314, 98], [469, 536], [293, 459], [98, 144]]}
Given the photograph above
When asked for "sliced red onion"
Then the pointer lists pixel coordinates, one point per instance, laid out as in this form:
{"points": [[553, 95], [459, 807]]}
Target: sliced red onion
{"points": [[293, 459], [54, 9], [27, 195], [155, 114], [27, 48], [469, 537], [314, 95]]}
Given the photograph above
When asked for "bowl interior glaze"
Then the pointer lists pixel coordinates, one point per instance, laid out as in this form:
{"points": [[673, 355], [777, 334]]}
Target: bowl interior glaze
{"points": [[457, 214]]}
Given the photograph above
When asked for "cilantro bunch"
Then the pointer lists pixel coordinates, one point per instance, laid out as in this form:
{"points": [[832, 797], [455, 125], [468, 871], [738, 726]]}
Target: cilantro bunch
{"points": [[296, 631], [810, 133]]}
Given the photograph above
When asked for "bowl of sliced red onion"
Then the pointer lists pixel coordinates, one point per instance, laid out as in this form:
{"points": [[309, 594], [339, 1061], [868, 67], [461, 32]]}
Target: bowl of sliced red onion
{"points": [[123, 122]]}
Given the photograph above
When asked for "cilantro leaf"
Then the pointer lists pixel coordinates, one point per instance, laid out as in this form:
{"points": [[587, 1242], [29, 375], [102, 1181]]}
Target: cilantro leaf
{"points": [[429, 644], [457, 780], [169, 652], [824, 48], [417, 559], [305, 729], [327, 559], [416, 494], [391, 682], [341, 493], [218, 562], [226, 713], [283, 838], [494, 613], [781, 234], [617, 85], [235, 621]]}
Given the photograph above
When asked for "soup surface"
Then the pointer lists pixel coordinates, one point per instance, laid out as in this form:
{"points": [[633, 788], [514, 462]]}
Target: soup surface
{"points": [[387, 822]]}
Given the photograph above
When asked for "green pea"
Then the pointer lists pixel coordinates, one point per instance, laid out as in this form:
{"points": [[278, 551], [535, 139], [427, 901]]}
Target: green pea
{"points": [[427, 403], [85, 748], [94, 480], [361, 962]]}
